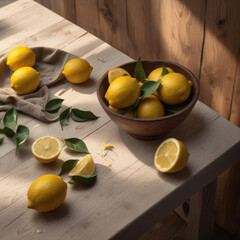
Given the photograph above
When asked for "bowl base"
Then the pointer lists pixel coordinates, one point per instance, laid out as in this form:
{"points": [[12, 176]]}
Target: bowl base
{"points": [[146, 138]]}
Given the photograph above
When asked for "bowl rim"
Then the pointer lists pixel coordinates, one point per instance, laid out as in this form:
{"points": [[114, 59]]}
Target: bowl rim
{"points": [[189, 106]]}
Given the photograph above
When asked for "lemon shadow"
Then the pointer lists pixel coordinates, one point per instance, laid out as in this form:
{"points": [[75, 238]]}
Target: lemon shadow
{"points": [[55, 215]]}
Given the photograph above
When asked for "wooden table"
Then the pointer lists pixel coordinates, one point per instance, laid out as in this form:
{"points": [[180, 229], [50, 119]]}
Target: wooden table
{"points": [[130, 196]]}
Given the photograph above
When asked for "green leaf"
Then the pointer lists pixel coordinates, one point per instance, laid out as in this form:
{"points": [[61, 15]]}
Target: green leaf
{"points": [[149, 87], [82, 116], [22, 134], [139, 72], [68, 166], [54, 105], [164, 72], [8, 132], [86, 180], [1, 135], [76, 145], [64, 116], [10, 118], [171, 109], [134, 106]]}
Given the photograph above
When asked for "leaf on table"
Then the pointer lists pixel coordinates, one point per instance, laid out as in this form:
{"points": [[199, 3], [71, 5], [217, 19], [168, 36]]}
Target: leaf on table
{"points": [[54, 105], [21, 136], [64, 116], [149, 87], [76, 145], [2, 135], [68, 166], [9, 132], [10, 118], [82, 116], [139, 72], [85, 180]]}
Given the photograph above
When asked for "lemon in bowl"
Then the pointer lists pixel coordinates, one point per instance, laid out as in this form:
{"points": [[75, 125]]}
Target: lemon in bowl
{"points": [[155, 126]]}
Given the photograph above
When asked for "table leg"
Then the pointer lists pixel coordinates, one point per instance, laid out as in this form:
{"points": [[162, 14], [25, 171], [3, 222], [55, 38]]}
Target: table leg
{"points": [[201, 211]]}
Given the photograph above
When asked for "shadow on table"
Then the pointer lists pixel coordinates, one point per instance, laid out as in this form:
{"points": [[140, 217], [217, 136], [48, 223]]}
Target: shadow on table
{"points": [[54, 215], [190, 129]]}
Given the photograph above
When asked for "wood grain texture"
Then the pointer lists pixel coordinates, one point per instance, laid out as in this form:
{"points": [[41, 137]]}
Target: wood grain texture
{"points": [[219, 89], [227, 209], [129, 197], [235, 115], [65, 8], [153, 29], [87, 16], [201, 212], [166, 229], [220, 54]]}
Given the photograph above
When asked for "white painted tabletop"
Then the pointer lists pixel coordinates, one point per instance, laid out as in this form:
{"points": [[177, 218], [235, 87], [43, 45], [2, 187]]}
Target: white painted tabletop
{"points": [[129, 196]]}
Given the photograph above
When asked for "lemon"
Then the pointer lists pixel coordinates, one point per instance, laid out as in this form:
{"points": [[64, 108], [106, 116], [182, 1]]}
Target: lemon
{"points": [[84, 167], [77, 70], [150, 107], [20, 57], [47, 149], [129, 113], [113, 108], [25, 80], [171, 156], [46, 193], [123, 92], [155, 74], [174, 88], [116, 73]]}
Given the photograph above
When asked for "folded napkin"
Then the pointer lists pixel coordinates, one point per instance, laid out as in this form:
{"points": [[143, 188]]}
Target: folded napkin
{"points": [[50, 63]]}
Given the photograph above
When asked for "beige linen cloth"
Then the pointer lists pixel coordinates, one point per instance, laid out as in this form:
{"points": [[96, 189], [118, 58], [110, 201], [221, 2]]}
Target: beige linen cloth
{"points": [[50, 63]]}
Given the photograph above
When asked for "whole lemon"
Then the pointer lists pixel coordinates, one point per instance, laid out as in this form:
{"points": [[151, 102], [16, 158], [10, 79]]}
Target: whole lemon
{"points": [[155, 74], [77, 70], [150, 107], [25, 80], [46, 193], [20, 57], [174, 88], [123, 92]]}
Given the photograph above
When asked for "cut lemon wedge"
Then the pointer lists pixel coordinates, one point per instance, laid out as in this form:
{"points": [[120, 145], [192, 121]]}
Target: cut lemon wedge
{"points": [[84, 167], [47, 149], [116, 73], [171, 156]]}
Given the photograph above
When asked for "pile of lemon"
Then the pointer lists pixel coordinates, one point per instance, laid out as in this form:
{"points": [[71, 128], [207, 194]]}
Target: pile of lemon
{"points": [[26, 79], [124, 91]]}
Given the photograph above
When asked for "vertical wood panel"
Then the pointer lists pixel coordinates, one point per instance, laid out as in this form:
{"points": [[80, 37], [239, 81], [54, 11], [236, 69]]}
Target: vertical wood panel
{"points": [[235, 109], [227, 213], [65, 8], [219, 90], [220, 54], [152, 29], [87, 16], [168, 29]]}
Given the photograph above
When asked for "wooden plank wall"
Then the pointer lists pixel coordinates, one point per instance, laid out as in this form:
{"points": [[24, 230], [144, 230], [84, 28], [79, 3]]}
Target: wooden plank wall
{"points": [[202, 35]]}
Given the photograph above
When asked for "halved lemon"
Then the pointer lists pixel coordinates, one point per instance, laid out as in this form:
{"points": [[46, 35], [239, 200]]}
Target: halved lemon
{"points": [[116, 73], [84, 167], [47, 149], [171, 156]]}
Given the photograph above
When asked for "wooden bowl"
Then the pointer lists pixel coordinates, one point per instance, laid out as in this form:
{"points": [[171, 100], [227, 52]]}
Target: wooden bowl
{"points": [[148, 129]]}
